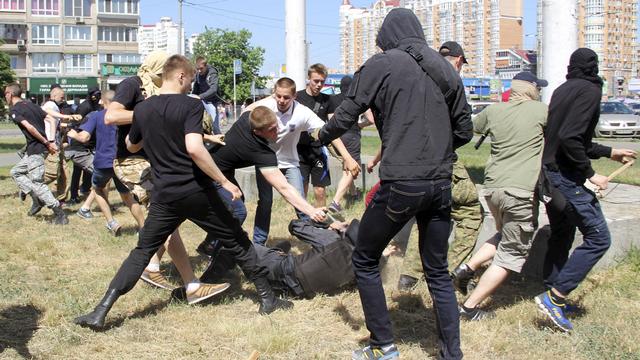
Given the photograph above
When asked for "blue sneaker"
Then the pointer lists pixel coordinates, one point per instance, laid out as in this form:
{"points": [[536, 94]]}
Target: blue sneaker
{"points": [[553, 311], [375, 352]]}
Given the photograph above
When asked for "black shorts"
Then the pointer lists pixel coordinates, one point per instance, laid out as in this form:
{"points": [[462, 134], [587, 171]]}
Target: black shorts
{"points": [[351, 141], [317, 173]]}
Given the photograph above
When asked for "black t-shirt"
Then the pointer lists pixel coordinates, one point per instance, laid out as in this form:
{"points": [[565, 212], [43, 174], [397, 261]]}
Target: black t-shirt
{"points": [[129, 94], [308, 149], [34, 115], [162, 122], [243, 148]]}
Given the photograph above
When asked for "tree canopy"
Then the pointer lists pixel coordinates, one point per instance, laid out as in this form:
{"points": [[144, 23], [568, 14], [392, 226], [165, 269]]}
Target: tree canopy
{"points": [[220, 47], [6, 76]]}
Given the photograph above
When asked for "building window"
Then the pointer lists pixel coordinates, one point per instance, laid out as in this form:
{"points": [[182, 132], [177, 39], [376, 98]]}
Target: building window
{"points": [[45, 7], [45, 62], [12, 5], [18, 62], [77, 33], [77, 8], [45, 34], [128, 7], [78, 63], [117, 33], [120, 58]]}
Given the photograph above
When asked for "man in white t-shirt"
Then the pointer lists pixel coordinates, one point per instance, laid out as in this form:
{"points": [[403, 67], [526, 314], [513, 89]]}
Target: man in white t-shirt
{"points": [[55, 165], [293, 118]]}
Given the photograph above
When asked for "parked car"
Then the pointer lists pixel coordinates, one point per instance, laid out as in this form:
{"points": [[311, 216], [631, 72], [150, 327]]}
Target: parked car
{"points": [[635, 107], [478, 106], [617, 120]]}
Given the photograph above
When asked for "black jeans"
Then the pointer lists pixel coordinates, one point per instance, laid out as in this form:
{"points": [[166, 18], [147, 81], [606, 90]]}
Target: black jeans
{"points": [[205, 209], [582, 211], [393, 205]]}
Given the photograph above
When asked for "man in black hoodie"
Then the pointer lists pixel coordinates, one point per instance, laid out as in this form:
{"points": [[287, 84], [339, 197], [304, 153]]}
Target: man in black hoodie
{"points": [[573, 115], [420, 128]]}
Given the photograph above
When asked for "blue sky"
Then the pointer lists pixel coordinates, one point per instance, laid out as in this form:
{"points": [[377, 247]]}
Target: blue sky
{"points": [[265, 19]]}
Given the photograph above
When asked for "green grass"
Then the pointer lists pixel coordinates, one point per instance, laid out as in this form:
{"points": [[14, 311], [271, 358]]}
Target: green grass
{"points": [[52, 274], [7, 125], [11, 144]]}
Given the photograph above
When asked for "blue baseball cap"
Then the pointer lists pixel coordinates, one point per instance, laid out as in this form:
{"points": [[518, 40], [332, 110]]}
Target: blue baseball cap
{"points": [[529, 77]]}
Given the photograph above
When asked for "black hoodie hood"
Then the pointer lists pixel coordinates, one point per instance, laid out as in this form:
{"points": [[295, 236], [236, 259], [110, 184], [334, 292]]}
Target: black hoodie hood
{"points": [[583, 64], [400, 25]]}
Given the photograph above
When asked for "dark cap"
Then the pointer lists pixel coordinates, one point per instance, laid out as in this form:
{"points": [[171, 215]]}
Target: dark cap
{"points": [[53, 86], [528, 76], [452, 48], [94, 91]]}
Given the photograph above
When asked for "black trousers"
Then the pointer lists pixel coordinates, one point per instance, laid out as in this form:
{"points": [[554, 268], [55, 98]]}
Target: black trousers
{"points": [[205, 209], [392, 206]]}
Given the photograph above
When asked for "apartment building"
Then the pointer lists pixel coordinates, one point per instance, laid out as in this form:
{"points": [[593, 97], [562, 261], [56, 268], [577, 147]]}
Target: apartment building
{"points": [[482, 27], [163, 35], [75, 43], [609, 28]]}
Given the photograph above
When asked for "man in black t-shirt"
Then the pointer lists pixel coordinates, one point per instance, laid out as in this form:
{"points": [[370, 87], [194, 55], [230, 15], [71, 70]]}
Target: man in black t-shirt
{"points": [[28, 173], [313, 157], [247, 144], [170, 124], [134, 170]]}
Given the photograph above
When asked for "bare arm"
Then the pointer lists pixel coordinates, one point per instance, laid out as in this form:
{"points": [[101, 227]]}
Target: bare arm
{"points": [[202, 159], [348, 162], [81, 136], [134, 148], [58, 115], [216, 139], [373, 162], [51, 123], [117, 115], [368, 115], [279, 182]]}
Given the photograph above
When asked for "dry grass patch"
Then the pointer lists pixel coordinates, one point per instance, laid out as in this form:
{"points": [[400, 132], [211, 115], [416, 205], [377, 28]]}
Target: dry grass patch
{"points": [[52, 274]]}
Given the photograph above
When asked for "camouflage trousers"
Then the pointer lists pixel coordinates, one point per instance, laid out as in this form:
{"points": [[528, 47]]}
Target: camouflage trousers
{"points": [[28, 174], [135, 173], [467, 217], [55, 175]]}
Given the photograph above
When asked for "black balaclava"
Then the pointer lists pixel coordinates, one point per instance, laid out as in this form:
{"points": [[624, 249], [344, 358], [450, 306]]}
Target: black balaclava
{"points": [[345, 82], [583, 64]]}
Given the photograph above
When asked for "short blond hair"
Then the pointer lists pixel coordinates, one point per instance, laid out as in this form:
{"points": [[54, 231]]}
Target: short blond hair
{"points": [[286, 83], [261, 118], [318, 69], [175, 63]]}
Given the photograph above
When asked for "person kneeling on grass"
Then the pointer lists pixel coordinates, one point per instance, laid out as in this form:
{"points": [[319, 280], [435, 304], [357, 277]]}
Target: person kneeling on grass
{"points": [[516, 129]]}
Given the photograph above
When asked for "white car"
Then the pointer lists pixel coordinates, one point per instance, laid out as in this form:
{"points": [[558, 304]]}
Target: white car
{"points": [[617, 120]]}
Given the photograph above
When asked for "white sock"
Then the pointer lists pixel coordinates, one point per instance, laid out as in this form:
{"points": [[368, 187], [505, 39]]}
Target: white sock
{"points": [[386, 347], [193, 285], [153, 267]]}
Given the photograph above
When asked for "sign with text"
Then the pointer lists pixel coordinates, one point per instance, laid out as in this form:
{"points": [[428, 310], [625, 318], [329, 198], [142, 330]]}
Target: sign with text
{"points": [[237, 66], [71, 86], [119, 69]]}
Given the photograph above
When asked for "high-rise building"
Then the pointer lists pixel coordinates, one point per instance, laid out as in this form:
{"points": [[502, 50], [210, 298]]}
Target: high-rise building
{"points": [[68, 41], [164, 35], [482, 27], [191, 43], [607, 27]]}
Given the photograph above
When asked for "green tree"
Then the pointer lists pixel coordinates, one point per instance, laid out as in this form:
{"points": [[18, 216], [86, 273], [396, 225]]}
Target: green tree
{"points": [[6, 77], [220, 47]]}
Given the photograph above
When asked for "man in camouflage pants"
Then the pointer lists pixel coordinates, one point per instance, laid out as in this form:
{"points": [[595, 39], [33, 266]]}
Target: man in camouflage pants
{"points": [[465, 210], [28, 173]]}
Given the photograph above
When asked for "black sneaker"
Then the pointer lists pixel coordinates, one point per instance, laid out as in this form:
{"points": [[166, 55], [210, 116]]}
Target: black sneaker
{"points": [[406, 282], [475, 314], [36, 206], [461, 277]]}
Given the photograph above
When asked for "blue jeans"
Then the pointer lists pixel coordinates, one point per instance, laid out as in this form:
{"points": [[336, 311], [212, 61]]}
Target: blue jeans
{"points": [[582, 211], [262, 222], [215, 118], [395, 203]]}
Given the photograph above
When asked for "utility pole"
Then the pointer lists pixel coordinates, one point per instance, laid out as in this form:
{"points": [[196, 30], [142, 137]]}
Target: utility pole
{"points": [[296, 41], [180, 30]]}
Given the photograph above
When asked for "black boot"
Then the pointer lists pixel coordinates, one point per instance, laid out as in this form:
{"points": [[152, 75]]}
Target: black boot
{"points": [[461, 277], [36, 206], [95, 319], [60, 217], [268, 300], [218, 267]]}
